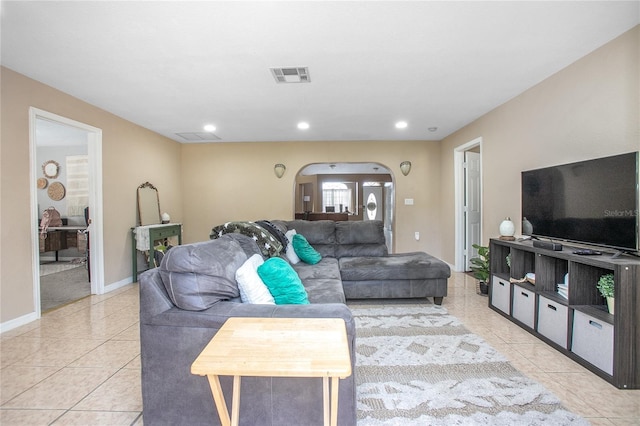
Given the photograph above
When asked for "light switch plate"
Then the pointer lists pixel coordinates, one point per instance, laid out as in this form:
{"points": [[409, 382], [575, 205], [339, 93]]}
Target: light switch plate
{"points": [[408, 201]]}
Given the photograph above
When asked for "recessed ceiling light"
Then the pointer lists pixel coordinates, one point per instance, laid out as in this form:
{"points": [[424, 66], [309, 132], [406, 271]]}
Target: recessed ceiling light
{"points": [[433, 129], [401, 125], [303, 125], [210, 128]]}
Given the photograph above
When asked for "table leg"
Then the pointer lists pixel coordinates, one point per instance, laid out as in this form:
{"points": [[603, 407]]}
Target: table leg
{"points": [[334, 400], [325, 400], [218, 397], [235, 401], [134, 256]]}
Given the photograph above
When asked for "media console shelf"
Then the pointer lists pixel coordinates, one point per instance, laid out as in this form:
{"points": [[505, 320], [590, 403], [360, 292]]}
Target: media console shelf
{"points": [[579, 325]]}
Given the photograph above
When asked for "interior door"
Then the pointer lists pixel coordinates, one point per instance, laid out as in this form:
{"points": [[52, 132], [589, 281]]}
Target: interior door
{"points": [[373, 203], [472, 205]]}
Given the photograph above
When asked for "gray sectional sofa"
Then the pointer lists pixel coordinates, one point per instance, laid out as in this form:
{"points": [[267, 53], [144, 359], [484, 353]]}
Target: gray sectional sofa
{"points": [[355, 264]]}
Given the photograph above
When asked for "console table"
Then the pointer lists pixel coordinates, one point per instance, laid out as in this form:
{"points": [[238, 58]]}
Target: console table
{"points": [[155, 233], [271, 347]]}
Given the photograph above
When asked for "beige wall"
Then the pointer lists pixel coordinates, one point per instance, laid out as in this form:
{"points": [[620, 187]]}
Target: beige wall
{"points": [[235, 181], [590, 109], [130, 154]]}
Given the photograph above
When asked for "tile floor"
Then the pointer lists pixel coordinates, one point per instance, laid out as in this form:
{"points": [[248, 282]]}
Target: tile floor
{"points": [[80, 364]]}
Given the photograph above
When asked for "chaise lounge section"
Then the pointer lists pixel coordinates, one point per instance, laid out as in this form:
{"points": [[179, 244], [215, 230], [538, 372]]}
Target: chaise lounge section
{"points": [[367, 270]]}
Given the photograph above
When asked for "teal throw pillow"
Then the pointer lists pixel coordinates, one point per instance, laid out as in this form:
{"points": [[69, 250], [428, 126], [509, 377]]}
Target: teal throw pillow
{"points": [[305, 252], [283, 282]]}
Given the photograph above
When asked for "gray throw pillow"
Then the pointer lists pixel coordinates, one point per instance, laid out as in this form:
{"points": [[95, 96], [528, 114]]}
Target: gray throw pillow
{"points": [[198, 275]]}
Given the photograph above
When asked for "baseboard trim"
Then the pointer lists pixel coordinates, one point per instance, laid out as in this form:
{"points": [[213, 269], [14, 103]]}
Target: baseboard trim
{"points": [[118, 284], [17, 322]]}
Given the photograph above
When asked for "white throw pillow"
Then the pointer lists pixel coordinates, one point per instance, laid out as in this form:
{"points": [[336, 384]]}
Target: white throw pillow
{"points": [[252, 289], [290, 252]]}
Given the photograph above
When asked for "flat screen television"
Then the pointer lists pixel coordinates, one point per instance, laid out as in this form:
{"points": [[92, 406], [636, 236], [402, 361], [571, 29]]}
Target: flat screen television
{"points": [[593, 202]]}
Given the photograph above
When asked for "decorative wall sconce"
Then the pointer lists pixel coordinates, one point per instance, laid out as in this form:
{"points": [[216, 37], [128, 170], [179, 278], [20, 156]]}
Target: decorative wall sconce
{"points": [[405, 167], [279, 170]]}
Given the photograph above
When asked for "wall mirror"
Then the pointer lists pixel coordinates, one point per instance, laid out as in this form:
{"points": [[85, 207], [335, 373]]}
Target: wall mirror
{"points": [[148, 205]]}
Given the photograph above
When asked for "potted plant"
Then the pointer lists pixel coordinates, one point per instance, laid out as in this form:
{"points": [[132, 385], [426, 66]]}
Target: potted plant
{"points": [[605, 286], [480, 267]]}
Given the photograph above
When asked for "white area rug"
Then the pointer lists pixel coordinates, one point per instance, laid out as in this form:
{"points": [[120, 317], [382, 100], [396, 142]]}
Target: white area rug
{"points": [[417, 365]]}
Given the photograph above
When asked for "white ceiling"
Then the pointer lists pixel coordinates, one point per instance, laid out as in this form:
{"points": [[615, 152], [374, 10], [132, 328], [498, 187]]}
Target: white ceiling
{"points": [[173, 66]]}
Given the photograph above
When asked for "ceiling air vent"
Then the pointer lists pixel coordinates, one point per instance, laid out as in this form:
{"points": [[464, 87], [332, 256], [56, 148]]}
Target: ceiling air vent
{"points": [[198, 136], [291, 75]]}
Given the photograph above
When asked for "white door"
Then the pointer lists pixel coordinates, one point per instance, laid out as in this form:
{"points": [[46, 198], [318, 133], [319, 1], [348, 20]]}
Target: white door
{"points": [[373, 203], [472, 205]]}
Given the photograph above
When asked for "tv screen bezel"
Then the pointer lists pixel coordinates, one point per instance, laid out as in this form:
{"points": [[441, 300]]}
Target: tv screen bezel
{"points": [[634, 250]]}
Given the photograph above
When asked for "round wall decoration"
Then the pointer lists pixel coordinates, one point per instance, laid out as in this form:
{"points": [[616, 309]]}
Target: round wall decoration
{"points": [[56, 191], [42, 183], [51, 169]]}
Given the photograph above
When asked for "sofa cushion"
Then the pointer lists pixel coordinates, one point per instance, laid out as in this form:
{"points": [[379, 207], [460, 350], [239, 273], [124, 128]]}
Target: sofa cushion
{"points": [[405, 266], [321, 234], [305, 252], [268, 244], [252, 289], [198, 275], [327, 268], [283, 282], [322, 281], [360, 232], [360, 238]]}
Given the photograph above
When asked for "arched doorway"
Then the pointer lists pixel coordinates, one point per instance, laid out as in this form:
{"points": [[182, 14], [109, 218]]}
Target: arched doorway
{"points": [[337, 191]]}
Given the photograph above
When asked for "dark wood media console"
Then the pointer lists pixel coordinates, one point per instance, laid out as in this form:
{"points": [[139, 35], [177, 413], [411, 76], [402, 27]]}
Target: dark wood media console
{"points": [[580, 325]]}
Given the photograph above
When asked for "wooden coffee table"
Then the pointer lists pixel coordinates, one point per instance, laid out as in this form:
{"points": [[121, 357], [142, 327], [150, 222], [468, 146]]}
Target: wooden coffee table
{"points": [[276, 347]]}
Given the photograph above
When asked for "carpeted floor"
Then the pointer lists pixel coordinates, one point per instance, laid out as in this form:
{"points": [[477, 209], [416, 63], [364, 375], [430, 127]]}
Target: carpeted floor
{"points": [[60, 288], [417, 365]]}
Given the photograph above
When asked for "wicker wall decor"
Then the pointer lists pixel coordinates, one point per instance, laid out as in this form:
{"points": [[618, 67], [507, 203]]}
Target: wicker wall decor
{"points": [[56, 191]]}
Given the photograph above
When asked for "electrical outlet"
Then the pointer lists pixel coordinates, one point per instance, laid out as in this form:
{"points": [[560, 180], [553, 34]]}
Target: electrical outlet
{"points": [[417, 235]]}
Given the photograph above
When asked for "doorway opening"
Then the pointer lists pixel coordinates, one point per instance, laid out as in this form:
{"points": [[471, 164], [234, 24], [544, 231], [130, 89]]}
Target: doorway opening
{"points": [[66, 174], [341, 191], [468, 202]]}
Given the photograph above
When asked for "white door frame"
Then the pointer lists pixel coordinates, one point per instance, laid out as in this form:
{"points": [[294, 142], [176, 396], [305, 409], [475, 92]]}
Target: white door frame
{"points": [[96, 248], [458, 168]]}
